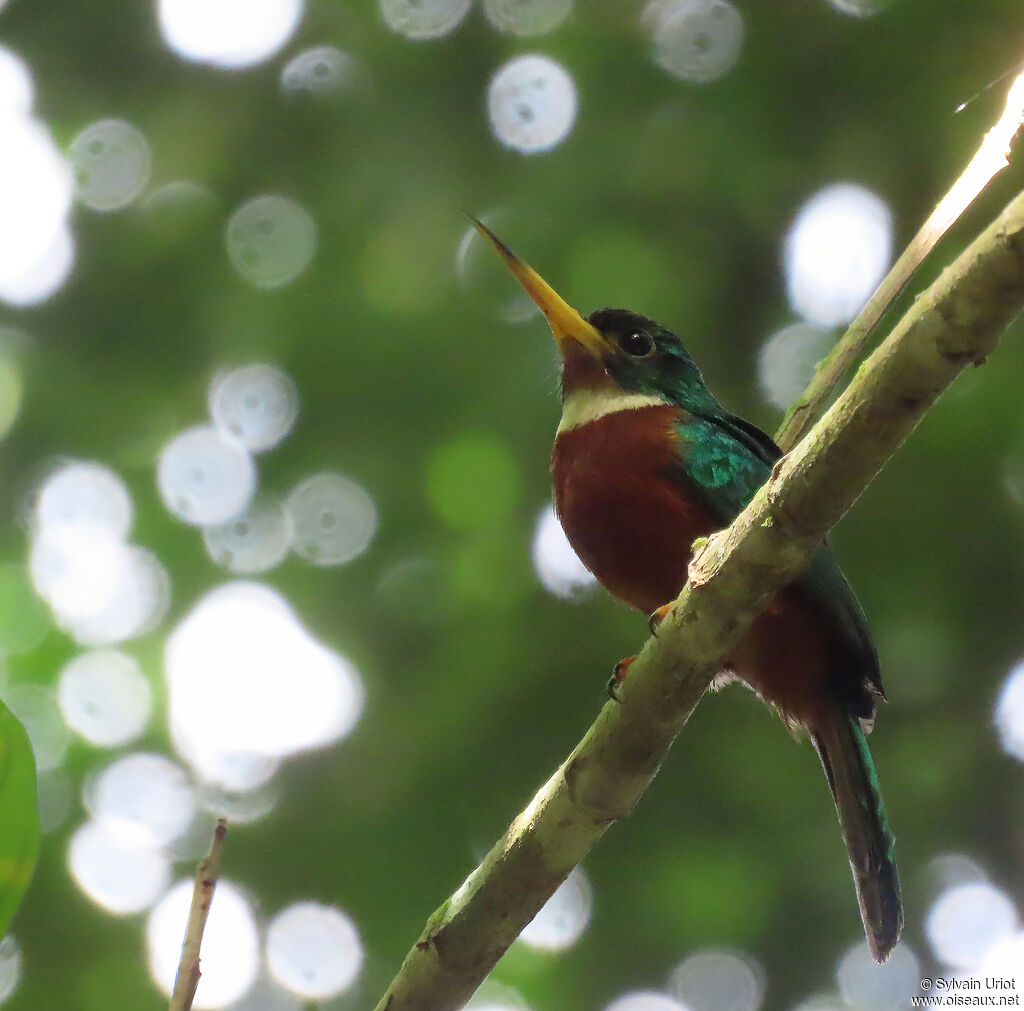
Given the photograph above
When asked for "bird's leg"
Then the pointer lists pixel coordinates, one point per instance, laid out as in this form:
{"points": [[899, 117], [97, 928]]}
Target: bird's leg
{"points": [[656, 617], [618, 676]]}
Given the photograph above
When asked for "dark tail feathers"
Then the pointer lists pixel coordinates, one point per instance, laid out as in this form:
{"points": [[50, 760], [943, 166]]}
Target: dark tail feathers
{"points": [[843, 750]]}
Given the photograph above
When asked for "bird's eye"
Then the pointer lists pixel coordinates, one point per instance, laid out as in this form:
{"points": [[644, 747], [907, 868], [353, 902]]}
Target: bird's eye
{"points": [[638, 344]]}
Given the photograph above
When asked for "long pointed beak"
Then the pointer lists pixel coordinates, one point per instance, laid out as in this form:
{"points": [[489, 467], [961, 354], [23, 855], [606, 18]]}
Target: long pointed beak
{"points": [[565, 322]]}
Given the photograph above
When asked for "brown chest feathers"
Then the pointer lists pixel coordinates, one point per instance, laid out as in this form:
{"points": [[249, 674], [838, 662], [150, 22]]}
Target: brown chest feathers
{"points": [[623, 503]]}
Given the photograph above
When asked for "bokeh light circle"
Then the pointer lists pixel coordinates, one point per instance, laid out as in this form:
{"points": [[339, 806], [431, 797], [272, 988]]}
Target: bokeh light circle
{"points": [[17, 89], [230, 943], [564, 917], [77, 569], [100, 589], [332, 519], [266, 995], [121, 877], [859, 8], [247, 680], [1004, 959], [84, 492], [271, 240], [255, 404], [35, 197], [136, 602], [239, 807], [228, 33], [556, 563], [532, 103], [787, 359], [10, 958], [718, 980], [695, 40], [314, 950], [253, 541], [1009, 713], [39, 280], [205, 478], [111, 162], [423, 19], [645, 1000], [36, 709], [967, 921], [527, 17], [864, 983], [144, 798], [320, 70], [494, 996], [105, 697], [836, 251]]}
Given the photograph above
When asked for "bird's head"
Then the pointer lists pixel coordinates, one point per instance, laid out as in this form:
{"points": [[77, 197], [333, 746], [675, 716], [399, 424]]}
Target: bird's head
{"points": [[612, 350]]}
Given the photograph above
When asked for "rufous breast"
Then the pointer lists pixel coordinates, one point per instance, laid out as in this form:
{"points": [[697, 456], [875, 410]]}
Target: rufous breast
{"points": [[625, 503]]}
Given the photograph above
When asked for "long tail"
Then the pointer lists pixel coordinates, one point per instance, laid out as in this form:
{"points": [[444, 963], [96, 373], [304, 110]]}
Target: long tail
{"points": [[844, 753]]}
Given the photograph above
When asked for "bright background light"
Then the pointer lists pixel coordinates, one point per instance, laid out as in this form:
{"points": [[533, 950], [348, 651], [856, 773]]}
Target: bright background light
{"points": [[230, 943], [695, 40], [423, 19], [205, 477], [228, 33], [143, 798], [718, 980], [314, 950], [527, 17], [558, 566], [271, 240], [116, 874], [1009, 714], [245, 677], [532, 103], [968, 921], [35, 197], [17, 88], [837, 250], [564, 917], [888, 987], [321, 70], [111, 162], [105, 697]]}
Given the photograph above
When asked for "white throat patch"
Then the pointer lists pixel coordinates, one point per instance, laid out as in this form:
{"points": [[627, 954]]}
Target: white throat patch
{"points": [[583, 406]]}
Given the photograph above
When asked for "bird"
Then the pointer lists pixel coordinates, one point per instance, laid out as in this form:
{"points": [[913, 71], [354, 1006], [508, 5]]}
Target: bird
{"points": [[646, 461]]}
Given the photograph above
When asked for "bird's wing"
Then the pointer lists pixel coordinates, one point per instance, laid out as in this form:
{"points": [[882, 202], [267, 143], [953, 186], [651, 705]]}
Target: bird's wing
{"points": [[726, 459]]}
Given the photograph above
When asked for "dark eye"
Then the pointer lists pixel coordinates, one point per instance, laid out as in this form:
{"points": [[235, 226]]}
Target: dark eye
{"points": [[638, 344]]}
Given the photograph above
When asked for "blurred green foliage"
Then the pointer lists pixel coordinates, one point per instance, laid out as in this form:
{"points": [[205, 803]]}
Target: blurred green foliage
{"points": [[668, 198], [19, 828]]}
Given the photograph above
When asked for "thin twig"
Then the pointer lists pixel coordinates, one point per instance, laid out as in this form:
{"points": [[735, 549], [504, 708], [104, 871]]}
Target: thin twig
{"points": [[954, 324], [990, 158], [187, 978]]}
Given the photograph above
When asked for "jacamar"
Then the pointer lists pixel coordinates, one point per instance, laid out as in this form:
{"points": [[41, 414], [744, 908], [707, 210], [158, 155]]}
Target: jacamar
{"points": [[646, 461]]}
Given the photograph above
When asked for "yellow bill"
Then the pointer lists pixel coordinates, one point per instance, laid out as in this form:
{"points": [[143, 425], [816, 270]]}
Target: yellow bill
{"points": [[565, 322]]}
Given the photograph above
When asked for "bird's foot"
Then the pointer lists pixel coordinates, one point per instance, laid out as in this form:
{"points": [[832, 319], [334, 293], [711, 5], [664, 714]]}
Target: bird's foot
{"points": [[656, 617], [618, 676]]}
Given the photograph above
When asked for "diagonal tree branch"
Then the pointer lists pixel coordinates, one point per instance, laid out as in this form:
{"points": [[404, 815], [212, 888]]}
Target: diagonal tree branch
{"points": [[991, 157], [734, 574]]}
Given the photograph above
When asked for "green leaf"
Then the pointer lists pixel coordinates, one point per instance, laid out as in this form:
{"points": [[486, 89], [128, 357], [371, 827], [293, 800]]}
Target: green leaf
{"points": [[19, 815]]}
